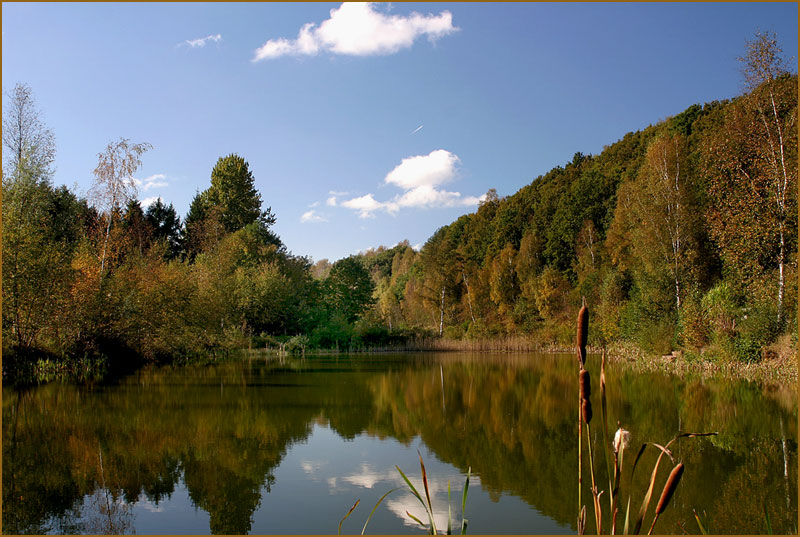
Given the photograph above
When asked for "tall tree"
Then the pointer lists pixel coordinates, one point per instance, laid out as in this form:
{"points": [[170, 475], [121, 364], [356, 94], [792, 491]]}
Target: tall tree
{"points": [[29, 145], [763, 65], [113, 180], [752, 166], [663, 212], [233, 191]]}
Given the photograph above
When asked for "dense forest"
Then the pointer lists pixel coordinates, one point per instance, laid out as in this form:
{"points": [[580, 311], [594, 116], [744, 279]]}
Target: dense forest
{"points": [[682, 235]]}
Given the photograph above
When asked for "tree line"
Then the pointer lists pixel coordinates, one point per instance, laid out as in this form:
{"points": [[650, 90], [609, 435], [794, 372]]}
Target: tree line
{"points": [[682, 236]]}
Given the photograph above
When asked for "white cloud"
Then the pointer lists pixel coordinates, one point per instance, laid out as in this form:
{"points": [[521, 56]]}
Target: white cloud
{"points": [[419, 177], [147, 202], [366, 205], [154, 181], [331, 202], [201, 42], [433, 169], [312, 216], [358, 29]]}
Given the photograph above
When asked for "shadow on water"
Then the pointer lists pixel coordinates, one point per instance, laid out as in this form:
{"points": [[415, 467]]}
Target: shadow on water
{"points": [[81, 459]]}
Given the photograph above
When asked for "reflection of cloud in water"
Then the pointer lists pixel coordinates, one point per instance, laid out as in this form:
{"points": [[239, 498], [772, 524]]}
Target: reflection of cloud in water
{"points": [[147, 505], [403, 500], [367, 477], [407, 502], [311, 467]]}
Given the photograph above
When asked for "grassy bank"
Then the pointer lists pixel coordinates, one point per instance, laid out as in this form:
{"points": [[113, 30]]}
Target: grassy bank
{"points": [[777, 365]]}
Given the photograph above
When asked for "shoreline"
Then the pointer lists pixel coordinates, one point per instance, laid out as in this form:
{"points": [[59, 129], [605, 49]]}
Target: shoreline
{"points": [[780, 369]]}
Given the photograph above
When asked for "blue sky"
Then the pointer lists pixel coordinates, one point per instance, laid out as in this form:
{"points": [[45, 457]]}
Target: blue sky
{"points": [[326, 101]]}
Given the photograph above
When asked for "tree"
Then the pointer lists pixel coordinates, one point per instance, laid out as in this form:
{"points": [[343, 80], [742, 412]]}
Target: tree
{"points": [[30, 146], [663, 212], [763, 65], [40, 225], [752, 167], [166, 225], [349, 288], [114, 184], [233, 191]]}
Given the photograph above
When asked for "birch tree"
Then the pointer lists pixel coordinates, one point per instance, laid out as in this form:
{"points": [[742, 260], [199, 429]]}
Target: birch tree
{"points": [[29, 146], [751, 163], [762, 66], [114, 184]]}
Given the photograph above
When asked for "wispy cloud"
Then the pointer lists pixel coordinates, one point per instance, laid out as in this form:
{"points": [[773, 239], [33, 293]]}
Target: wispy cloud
{"points": [[420, 178], [358, 29], [202, 41], [331, 202], [312, 217], [157, 180], [415, 131]]}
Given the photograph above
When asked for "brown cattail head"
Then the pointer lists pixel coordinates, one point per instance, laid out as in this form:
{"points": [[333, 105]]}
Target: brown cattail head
{"points": [[583, 331], [586, 410], [669, 488], [586, 385]]}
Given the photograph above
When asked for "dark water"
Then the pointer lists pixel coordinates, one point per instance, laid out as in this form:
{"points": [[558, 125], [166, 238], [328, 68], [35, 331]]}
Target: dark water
{"points": [[264, 446]]}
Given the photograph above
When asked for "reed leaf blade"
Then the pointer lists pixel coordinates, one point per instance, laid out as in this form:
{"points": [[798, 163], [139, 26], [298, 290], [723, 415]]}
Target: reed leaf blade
{"points": [[347, 515]]}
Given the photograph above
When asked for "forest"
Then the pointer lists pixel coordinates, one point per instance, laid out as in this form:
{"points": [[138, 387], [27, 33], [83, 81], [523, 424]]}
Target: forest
{"points": [[680, 236]]}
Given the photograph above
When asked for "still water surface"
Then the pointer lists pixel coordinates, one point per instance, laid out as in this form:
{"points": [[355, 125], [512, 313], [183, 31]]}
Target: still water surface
{"points": [[268, 446]]}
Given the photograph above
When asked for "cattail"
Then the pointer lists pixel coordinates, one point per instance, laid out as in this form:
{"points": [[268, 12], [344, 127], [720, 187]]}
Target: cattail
{"points": [[621, 439], [586, 385], [669, 488], [586, 410], [583, 331]]}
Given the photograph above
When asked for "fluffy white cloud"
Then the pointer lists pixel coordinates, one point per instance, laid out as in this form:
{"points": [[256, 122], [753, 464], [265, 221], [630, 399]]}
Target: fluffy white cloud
{"points": [[201, 41], [358, 29], [312, 216], [154, 181], [433, 169], [419, 177], [331, 202], [366, 205]]}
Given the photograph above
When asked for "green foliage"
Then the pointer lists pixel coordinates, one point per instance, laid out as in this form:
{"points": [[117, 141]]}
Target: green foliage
{"points": [[348, 289]]}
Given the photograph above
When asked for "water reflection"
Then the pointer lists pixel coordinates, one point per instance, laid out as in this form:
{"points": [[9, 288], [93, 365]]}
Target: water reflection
{"points": [[268, 447]]}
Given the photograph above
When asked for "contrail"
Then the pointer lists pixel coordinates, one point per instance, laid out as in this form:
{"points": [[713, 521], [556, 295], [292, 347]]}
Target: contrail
{"points": [[417, 130]]}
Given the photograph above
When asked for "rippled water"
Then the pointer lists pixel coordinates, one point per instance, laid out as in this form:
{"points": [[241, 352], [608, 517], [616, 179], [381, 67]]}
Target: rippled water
{"points": [[269, 446]]}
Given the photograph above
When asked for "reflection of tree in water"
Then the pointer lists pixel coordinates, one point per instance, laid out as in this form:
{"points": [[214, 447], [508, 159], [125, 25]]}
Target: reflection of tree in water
{"points": [[514, 426], [107, 512], [224, 430]]}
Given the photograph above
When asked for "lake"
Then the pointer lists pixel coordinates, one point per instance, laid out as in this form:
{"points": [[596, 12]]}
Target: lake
{"points": [[267, 445]]}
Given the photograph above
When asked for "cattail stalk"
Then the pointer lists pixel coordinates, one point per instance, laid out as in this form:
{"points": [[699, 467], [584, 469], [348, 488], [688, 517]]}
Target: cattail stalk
{"points": [[598, 514]]}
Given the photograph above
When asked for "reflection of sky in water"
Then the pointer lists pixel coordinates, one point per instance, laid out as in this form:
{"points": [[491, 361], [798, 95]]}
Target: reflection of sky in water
{"points": [[320, 479], [327, 474]]}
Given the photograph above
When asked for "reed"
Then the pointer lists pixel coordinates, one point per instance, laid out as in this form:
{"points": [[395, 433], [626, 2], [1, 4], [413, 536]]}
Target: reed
{"points": [[617, 448]]}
